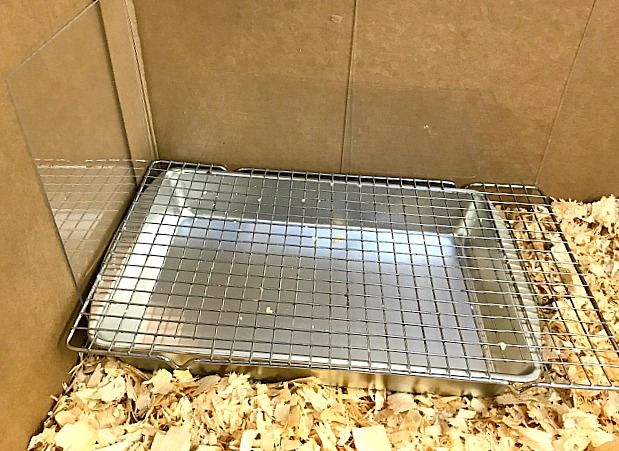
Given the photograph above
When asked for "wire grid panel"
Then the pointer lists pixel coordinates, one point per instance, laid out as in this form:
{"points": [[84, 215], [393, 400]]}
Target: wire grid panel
{"points": [[315, 270], [578, 347]]}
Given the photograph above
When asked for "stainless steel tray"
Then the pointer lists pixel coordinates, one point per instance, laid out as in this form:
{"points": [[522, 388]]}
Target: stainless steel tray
{"points": [[364, 281]]}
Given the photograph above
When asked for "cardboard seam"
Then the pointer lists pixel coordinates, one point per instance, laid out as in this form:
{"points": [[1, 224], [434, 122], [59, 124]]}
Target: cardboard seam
{"points": [[126, 52], [563, 93], [137, 50], [345, 155], [110, 61]]}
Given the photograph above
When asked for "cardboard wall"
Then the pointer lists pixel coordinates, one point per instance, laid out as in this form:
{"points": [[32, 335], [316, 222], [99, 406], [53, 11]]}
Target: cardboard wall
{"points": [[582, 159], [460, 90], [464, 90], [248, 83], [36, 293]]}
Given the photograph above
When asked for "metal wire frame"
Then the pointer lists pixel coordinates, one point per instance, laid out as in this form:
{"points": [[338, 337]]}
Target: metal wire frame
{"points": [[209, 271], [579, 348]]}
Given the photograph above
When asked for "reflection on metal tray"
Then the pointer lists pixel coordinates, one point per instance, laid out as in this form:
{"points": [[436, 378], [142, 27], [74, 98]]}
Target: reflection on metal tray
{"points": [[376, 282]]}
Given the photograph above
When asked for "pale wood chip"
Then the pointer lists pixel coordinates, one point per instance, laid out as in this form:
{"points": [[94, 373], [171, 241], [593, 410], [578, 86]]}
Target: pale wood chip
{"points": [[401, 402], [206, 383], [478, 405], [326, 435], [288, 444], [142, 402], [78, 436], [534, 438], [379, 399], [310, 445], [176, 438], [114, 390], [372, 438], [609, 446], [64, 417], [344, 435], [46, 437], [281, 413], [161, 382], [247, 439], [95, 377], [183, 375]]}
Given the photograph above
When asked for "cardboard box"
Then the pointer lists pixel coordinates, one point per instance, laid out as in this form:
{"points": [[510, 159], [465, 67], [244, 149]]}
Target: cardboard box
{"points": [[468, 91]]}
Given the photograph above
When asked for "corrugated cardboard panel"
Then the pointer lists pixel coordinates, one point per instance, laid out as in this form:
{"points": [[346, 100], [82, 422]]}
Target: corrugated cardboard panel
{"points": [[248, 83], [36, 293], [582, 159], [461, 90]]}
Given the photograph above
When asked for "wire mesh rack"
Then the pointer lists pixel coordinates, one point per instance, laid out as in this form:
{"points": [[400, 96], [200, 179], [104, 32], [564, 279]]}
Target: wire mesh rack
{"points": [[577, 344], [400, 281]]}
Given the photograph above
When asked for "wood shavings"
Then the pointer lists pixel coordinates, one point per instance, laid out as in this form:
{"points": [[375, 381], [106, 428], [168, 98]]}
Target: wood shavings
{"points": [[112, 406], [43, 440], [568, 314]]}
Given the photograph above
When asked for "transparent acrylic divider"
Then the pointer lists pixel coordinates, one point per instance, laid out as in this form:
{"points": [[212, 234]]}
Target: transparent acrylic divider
{"points": [[67, 104]]}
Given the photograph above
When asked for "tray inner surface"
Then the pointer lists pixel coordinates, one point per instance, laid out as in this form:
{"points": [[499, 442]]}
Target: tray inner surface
{"points": [[329, 272]]}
